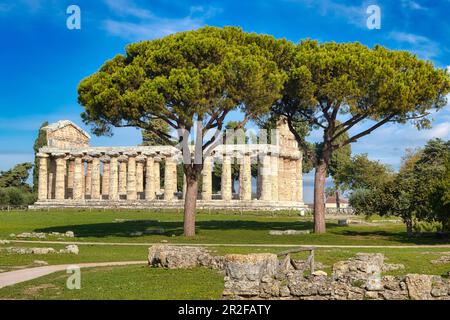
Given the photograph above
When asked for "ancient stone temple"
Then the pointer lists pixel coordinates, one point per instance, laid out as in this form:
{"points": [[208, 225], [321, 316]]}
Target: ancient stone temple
{"points": [[74, 174]]}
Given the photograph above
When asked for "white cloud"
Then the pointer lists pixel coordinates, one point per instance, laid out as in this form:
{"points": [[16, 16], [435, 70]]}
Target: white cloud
{"points": [[9, 160], [353, 14], [142, 24], [413, 5], [150, 30], [424, 47], [128, 8]]}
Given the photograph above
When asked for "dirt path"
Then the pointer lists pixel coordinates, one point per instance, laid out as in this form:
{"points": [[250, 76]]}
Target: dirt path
{"points": [[13, 277], [269, 245]]}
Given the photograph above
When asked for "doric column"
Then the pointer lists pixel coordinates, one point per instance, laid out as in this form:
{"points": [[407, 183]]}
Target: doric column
{"points": [[131, 176], [88, 179], [274, 176], [51, 177], [122, 175], [43, 178], [60, 178], [299, 179], [245, 178], [140, 161], [95, 177], [78, 177], [70, 173], [113, 177], [207, 179], [170, 178], [150, 178], [265, 177], [226, 178], [105, 176], [157, 174]]}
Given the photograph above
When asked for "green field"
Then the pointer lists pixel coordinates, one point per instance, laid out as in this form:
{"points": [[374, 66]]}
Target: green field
{"points": [[142, 282], [100, 226]]}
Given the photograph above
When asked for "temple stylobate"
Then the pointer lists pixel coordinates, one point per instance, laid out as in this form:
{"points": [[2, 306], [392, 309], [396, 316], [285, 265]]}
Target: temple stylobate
{"points": [[73, 174]]}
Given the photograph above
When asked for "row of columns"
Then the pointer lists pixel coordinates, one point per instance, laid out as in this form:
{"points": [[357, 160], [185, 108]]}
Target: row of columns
{"points": [[77, 176], [133, 176]]}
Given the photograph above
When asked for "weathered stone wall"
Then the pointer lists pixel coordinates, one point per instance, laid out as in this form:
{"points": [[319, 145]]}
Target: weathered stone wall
{"points": [[355, 279], [263, 276]]}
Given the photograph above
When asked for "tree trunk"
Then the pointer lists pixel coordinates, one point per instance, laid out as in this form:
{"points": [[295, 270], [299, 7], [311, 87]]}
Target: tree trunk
{"points": [[409, 227], [190, 203], [319, 196], [338, 201]]}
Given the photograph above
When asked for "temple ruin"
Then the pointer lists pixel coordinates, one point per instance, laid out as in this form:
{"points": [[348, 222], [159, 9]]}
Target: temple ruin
{"points": [[73, 174]]}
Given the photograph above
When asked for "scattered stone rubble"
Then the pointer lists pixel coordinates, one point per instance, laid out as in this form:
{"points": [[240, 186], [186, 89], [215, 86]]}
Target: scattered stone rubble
{"points": [[442, 260], [182, 257], [42, 235], [262, 276], [288, 232], [71, 249], [4, 241], [355, 279]]}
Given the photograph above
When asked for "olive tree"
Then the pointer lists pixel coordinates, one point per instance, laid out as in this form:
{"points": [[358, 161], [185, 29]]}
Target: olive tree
{"points": [[189, 80]]}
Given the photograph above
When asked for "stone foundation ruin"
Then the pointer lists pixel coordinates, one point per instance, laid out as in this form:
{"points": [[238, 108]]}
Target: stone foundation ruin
{"points": [[264, 276]]}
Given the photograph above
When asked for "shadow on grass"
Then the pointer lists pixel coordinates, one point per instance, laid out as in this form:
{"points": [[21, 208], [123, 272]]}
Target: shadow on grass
{"points": [[418, 239], [124, 229], [336, 234]]}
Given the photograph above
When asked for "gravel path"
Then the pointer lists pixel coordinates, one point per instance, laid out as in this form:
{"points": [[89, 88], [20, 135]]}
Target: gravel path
{"points": [[13, 277]]}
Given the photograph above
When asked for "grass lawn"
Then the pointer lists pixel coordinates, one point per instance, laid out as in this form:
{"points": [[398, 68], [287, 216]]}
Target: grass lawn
{"points": [[139, 282], [132, 282], [211, 228]]}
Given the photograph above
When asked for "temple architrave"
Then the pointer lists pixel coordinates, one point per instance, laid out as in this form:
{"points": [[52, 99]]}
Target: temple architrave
{"points": [[72, 174]]}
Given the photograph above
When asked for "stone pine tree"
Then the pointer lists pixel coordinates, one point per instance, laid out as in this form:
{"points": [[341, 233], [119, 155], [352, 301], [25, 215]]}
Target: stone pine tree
{"points": [[350, 83], [40, 142], [150, 138], [184, 79]]}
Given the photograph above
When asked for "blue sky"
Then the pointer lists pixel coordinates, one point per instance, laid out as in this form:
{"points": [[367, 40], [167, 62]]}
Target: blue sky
{"points": [[42, 62]]}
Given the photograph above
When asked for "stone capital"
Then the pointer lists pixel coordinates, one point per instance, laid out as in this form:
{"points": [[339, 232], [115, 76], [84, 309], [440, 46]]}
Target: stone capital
{"points": [[94, 154], [105, 159], [141, 158], [59, 154], [130, 153], [88, 158], [112, 153], [42, 155]]}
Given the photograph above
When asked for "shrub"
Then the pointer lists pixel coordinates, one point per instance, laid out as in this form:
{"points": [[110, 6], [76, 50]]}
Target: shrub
{"points": [[4, 197], [16, 197], [427, 226]]}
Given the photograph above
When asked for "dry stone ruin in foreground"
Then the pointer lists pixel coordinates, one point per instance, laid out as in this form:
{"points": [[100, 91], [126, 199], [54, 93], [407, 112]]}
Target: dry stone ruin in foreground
{"points": [[74, 174], [263, 276]]}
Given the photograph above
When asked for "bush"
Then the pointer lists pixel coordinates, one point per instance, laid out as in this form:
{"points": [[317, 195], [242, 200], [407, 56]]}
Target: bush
{"points": [[16, 197], [363, 202], [427, 226], [4, 197]]}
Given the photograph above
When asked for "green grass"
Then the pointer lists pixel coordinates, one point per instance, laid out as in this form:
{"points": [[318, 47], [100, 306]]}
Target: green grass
{"points": [[211, 228], [138, 282], [131, 282], [142, 282]]}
